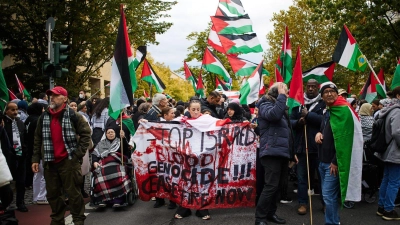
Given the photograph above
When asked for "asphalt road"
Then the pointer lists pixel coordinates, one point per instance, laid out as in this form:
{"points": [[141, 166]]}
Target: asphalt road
{"points": [[143, 213]]}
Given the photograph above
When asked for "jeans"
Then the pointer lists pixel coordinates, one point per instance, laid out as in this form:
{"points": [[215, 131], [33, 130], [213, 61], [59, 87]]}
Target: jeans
{"points": [[389, 186], [302, 177], [330, 193], [276, 169]]}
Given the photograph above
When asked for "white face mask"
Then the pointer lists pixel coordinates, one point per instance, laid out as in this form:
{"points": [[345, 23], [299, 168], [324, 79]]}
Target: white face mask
{"points": [[81, 95]]}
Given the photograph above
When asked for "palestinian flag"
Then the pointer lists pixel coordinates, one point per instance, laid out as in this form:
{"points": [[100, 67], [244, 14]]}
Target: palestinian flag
{"points": [[243, 67], [250, 89], [245, 43], [396, 77], [230, 8], [219, 84], [322, 73], [11, 94], [214, 42], [123, 78], [370, 90], [381, 88], [200, 86], [296, 94], [141, 53], [189, 76], [149, 75], [212, 64], [4, 96], [128, 122], [348, 138], [284, 63], [22, 89], [145, 94], [347, 52], [232, 25]]}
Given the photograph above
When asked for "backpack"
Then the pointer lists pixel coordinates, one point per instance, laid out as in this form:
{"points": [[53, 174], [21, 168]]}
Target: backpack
{"points": [[377, 143]]}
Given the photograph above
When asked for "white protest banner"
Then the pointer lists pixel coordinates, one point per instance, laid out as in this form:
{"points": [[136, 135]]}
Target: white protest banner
{"points": [[199, 170]]}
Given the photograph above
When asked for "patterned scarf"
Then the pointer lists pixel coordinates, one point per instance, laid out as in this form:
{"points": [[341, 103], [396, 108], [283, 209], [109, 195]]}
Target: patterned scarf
{"points": [[105, 147], [16, 140], [68, 134], [313, 102]]}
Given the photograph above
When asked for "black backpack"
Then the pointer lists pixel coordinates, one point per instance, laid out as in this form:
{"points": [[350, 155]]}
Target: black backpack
{"points": [[377, 143]]}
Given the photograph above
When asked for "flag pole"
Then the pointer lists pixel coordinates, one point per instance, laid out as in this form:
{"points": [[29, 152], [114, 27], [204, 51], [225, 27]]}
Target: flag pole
{"points": [[308, 174], [122, 146], [97, 92], [373, 71]]}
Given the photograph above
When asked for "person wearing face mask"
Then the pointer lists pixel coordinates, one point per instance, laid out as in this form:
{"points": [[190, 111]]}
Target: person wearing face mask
{"points": [[83, 99]]}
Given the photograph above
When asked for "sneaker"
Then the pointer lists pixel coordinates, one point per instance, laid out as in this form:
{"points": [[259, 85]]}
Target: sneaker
{"points": [[42, 202], [302, 210], [380, 211], [397, 202], [102, 205], [295, 191], [116, 205], [391, 215], [286, 200]]}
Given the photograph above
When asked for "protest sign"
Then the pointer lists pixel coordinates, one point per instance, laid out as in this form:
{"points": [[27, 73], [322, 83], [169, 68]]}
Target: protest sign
{"points": [[199, 170]]}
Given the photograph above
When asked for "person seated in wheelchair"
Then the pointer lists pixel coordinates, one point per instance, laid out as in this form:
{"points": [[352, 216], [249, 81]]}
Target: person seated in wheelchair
{"points": [[111, 180]]}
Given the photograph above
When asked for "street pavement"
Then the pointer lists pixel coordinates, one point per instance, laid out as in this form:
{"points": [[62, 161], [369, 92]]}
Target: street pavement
{"points": [[143, 213]]}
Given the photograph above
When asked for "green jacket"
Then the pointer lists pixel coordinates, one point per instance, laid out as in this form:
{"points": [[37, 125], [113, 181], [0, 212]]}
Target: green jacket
{"points": [[82, 130]]}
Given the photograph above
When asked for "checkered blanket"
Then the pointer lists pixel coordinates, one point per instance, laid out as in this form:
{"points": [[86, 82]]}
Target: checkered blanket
{"points": [[111, 180]]}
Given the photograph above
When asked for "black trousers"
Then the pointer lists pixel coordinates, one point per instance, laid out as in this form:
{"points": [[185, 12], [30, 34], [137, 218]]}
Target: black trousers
{"points": [[276, 169], [19, 177], [6, 196]]}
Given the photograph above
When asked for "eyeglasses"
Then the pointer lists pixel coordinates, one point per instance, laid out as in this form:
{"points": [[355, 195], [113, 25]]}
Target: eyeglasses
{"points": [[329, 91]]}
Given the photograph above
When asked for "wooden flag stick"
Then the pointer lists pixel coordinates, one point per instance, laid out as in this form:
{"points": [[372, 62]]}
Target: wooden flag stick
{"points": [[308, 174], [122, 146]]}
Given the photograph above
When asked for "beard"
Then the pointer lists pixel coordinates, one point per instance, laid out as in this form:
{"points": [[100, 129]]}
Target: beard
{"points": [[55, 105]]}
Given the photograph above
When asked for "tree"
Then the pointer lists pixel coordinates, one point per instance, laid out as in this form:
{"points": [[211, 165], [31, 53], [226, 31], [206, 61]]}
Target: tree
{"points": [[312, 35], [375, 25], [177, 88], [88, 27]]}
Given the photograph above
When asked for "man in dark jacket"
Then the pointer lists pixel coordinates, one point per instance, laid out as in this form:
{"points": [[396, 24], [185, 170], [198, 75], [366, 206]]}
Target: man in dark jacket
{"points": [[210, 104], [158, 103], [61, 139], [276, 143], [328, 167], [16, 159], [310, 116]]}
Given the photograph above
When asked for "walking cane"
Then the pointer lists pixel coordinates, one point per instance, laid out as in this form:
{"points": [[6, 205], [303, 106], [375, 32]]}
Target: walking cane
{"points": [[308, 173], [122, 146]]}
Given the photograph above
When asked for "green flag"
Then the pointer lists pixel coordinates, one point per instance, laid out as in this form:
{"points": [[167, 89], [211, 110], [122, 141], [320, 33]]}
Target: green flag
{"points": [[3, 86], [396, 77]]}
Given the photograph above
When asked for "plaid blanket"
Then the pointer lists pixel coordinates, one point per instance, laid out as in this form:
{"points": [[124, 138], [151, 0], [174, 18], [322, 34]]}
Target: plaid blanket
{"points": [[110, 179]]}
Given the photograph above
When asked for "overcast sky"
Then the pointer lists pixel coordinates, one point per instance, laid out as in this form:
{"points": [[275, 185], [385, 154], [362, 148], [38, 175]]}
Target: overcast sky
{"points": [[193, 15]]}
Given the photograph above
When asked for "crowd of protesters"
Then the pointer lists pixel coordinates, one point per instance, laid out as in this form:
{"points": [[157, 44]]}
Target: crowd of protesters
{"points": [[46, 144]]}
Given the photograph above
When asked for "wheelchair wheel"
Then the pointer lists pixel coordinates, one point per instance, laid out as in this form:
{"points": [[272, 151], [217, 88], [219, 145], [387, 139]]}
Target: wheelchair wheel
{"points": [[133, 195], [348, 205], [370, 197]]}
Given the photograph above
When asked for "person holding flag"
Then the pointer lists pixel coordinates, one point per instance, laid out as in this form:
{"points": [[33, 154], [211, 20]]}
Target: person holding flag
{"points": [[340, 149], [276, 148], [311, 116]]}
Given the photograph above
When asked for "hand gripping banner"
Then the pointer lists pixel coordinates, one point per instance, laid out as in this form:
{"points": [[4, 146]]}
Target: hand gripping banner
{"points": [[198, 170]]}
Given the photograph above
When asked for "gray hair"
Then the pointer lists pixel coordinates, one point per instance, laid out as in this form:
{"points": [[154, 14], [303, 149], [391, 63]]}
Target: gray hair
{"points": [[157, 98], [144, 107], [273, 90]]}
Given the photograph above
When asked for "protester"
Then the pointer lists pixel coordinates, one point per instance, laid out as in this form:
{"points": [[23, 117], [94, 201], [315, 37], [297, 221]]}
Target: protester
{"points": [[375, 108], [73, 106], [141, 113], [43, 100], [276, 148], [83, 99], [195, 113], [391, 158], [56, 144], [180, 110], [210, 103], [34, 111], [99, 119], [234, 113], [366, 120], [259, 168], [111, 182], [6, 193], [16, 159], [159, 101], [310, 116], [82, 109], [22, 110]]}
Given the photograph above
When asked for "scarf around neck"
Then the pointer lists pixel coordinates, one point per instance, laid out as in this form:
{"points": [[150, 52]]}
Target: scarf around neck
{"points": [[313, 102], [105, 147], [16, 140]]}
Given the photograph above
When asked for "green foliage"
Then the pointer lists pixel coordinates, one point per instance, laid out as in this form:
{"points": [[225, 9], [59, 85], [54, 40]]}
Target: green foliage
{"points": [[89, 27], [375, 25]]}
